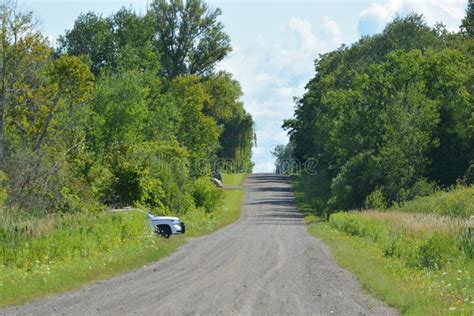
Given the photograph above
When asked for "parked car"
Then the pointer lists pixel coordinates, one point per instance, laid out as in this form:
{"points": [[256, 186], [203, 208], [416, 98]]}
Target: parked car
{"points": [[166, 225]]}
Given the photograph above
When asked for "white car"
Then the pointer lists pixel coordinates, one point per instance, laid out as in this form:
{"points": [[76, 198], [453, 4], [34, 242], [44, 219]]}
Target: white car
{"points": [[166, 225]]}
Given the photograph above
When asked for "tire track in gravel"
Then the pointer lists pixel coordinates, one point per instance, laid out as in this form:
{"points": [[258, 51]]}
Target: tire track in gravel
{"points": [[264, 264]]}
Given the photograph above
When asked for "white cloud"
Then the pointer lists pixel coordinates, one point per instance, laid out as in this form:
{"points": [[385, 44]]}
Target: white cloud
{"points": [[272, 73], [332, 29], [304, 29], [374, 17]]}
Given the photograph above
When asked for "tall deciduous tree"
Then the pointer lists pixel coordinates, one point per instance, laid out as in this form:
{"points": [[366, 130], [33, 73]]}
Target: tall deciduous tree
{"points": [[188, 36], [390, 116], [16, 38], [91, 36]]}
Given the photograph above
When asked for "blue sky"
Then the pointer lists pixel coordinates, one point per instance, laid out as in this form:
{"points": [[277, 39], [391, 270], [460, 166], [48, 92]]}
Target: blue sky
{"points": [[275, 44]]}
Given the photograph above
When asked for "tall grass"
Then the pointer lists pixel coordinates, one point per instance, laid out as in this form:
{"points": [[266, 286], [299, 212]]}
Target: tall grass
{"points": [[423, 241], [435, 247], [458, 202], [34, 242], [418, 257], [44, 255]]}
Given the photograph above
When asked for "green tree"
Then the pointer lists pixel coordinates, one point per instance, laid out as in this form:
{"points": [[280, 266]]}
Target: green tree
{"points": [[198, 132], [467, 24], [389, 115], [235, 124], [91, 36], [188, 36]]}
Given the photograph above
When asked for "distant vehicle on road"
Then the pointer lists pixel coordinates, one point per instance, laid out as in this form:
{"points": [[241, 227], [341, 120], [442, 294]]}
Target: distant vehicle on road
{"points": [[166, 225]]}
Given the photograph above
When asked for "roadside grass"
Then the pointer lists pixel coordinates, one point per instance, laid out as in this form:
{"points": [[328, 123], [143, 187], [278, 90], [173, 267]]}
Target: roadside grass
{"points": [[421, 264], [458, 202], [199, 223], [69, 252]]}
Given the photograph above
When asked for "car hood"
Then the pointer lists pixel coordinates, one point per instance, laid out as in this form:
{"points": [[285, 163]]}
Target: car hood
{"points": [[164, 218]]}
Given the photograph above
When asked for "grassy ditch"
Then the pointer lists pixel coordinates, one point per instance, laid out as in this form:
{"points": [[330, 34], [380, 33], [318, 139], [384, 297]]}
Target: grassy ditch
{"points": [[458, 202], [61, 253], [420, 263]]}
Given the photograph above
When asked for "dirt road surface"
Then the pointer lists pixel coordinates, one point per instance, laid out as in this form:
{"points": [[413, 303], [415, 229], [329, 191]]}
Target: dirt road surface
{"points": [[265, 264]]}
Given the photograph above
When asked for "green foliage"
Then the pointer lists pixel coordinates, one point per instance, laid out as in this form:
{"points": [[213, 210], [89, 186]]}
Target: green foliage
{"points": [[376, 200], [132, 137], [354, 182], [45, 255], [121, 114], [202, 41], [206, 195], [198, 132], [467, 25], [3, 188], [285, 163], [419, 263], [236, 125], [31, 243], [467, 241], [422, 187], [153, 175], [417, 247], [458, 202], [413, 291], [469, 176], [392, 112]]}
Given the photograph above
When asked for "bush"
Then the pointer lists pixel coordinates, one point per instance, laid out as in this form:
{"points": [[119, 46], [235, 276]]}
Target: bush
{"points": [[376, 200], [459, 202], [152, 175], [3, 188], [421, 188], [206, 194], [45, 181], [357, 178], [469, 176], [431, 253]]}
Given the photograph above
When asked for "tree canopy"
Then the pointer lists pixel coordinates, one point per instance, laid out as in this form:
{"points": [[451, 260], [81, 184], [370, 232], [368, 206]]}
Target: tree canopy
{"points": [[127, 110], [389, 117]]}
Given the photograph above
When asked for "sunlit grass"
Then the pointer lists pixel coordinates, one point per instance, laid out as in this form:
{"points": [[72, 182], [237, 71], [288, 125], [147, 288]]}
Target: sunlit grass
{"points": [[458, 202], [419, 262], [412, 291], [57, 254], [419, 223]]}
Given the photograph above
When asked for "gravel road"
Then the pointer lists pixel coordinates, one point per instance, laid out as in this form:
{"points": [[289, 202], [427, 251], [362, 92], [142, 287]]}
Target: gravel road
{"points": [[265, 264]]}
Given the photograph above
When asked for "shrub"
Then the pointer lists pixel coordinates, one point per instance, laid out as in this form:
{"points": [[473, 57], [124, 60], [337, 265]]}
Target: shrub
{"points": [[206, 194], [357, 178], [459, 202], [153, 175], [376, 200], [469, 176], [430, 253], [421, 188]]}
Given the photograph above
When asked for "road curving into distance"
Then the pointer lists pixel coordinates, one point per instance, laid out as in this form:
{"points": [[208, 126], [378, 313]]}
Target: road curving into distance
{"points": [[264, 264]]}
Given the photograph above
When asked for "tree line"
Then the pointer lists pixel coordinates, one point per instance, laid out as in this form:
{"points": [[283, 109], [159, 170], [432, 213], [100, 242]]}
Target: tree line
{"points": [[127, 109], [388, 118]]}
